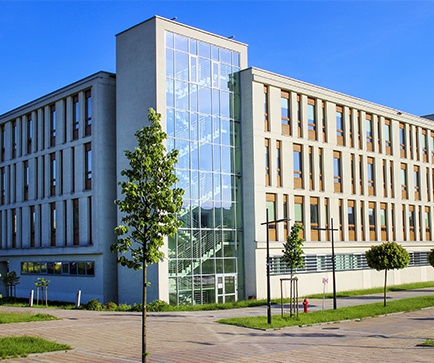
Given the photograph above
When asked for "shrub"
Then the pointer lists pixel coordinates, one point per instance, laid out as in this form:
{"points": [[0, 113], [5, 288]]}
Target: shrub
{"points": [[158, 305], [136, 307], [111, 306], [93, 304], [124, 307]]}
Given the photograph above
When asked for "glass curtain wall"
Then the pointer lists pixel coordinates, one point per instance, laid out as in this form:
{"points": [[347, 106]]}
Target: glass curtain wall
{"points": [[203, 123]]}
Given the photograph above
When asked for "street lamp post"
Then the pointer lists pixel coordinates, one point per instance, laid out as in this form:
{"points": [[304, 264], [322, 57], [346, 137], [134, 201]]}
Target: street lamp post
{"points": [[333, 259], [267, 224]]}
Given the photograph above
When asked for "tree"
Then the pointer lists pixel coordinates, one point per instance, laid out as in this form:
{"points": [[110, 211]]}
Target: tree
{"points": [[293, 258], [150, 204], [387, 256], [11, 280], [430, 257], [42, 284]]}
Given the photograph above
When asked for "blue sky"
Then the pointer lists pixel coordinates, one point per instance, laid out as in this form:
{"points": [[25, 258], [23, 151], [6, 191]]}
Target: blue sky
{"points": [[380, 51]]}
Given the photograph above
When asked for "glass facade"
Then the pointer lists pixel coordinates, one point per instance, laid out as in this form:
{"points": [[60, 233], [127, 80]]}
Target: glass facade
{"points": [[203, 123]]}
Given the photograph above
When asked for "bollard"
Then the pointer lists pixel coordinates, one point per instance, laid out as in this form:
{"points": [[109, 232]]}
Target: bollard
{"points": [[77, 301], [31, 298]]}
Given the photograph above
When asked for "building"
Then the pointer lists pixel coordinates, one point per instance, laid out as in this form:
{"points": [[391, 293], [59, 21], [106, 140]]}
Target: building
{"points": [[250, 141]]}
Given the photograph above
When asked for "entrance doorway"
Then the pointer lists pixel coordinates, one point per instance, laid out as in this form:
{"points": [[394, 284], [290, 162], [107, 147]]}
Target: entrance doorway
{"points": [[226, 288]]}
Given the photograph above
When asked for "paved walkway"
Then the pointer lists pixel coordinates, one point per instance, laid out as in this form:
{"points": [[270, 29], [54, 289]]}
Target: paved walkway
{"points": [[195, 337]]}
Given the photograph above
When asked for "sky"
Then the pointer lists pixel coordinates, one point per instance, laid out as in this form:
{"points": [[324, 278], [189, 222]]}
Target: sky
{"points": [[380, 51]]}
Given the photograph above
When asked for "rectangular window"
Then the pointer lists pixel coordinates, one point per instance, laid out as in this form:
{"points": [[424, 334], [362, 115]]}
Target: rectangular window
{"points": [[424, 145], [412, 222], [432, 146], [3, 185], [278, 164], [285, 112], [26, 173], [314, 219], [337, 176], [371, 214], [88, 112], [383, 221], [353, 173], [384, 167], [428, 223], [267, 162], [340, 125], [53, 174], [298, 116], [88, 166], [402, 139], [324, 126], [76, 222], [266, 122], [371, 176], [14, 139], [285, 216], [321, 169], [271, 210], [298, 166], [416, 183], [369, 133], [310, 168], [53, 125], [14, 228], [3, 142], [29, 133], [388, 137], [298, 212], [311, 119], [351, 220], [53, 223], [90, 220], [404, 180], [404, 222], [75, 117], [427, 184], [391, 178], [32, 226]]}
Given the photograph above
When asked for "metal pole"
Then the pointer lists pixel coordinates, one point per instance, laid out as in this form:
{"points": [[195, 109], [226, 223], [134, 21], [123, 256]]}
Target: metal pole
{"points": [[333, 266], [268, 272]]}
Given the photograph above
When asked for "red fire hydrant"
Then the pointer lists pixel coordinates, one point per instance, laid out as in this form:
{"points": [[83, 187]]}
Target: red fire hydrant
{"points": [[305, 305]]}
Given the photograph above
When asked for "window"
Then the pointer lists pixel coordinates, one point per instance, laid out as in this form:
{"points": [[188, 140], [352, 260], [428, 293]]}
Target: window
{"points": [[392, 221], [88, 166], [266, 122], [311, 119], [369, 133], [362, 221], [353, 173], [351, 128], [321, 169], [428, 223], [371, 176], [76, 222], [285, 113], [388, 137], [53, 125], [384, 178], [337, 171], [14, 228], [14, 139], [324, 126], [310, 168], [3, 142], [53, 174], [427, 184], [271, 210], [351, 220], [82, 268], [90, 219], [404, 180], [26, 179], [29, 133], [88, 112], [298, 166], [416, 183], [391, 178], [53, 223], [278, 164], [383, 221], [298, 212], [3, 185], [75, 117], [371, 214], [424, 145], [314, 219], [432, 146], [402, 139], [285, 216], [339, 125], [267, 162], [32, 226], [412, 222], [404, 222]]}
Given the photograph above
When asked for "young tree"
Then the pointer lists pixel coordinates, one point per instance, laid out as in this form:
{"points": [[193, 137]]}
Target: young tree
{"points": [[42, 284], [11, 280], [150, 204], [293, 257], [387, 256]]}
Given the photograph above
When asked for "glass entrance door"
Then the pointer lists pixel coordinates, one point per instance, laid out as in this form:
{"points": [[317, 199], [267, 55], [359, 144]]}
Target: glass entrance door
{"points": [[226, 288]]}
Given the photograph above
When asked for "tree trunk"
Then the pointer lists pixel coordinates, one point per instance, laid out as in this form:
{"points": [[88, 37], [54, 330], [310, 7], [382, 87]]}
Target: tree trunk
{"points": [[144, 315], [385, 284]]}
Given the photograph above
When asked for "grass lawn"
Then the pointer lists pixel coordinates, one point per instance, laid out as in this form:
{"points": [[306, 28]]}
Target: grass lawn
{"points": [[13, 347], [345, 313], [6, 318]]}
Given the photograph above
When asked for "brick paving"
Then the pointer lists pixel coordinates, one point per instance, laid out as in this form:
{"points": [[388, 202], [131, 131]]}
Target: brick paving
{"points": [[195, 337]]}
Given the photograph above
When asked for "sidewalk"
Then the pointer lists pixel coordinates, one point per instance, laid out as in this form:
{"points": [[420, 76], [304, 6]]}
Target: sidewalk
{"points": [[195, 337]]}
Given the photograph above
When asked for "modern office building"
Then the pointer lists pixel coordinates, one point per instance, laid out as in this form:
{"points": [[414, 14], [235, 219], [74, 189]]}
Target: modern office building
{"points": [[250, 141]]}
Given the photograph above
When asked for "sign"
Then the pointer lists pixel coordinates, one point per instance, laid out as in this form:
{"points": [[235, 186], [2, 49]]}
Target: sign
{"points": [[325, 280]]}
